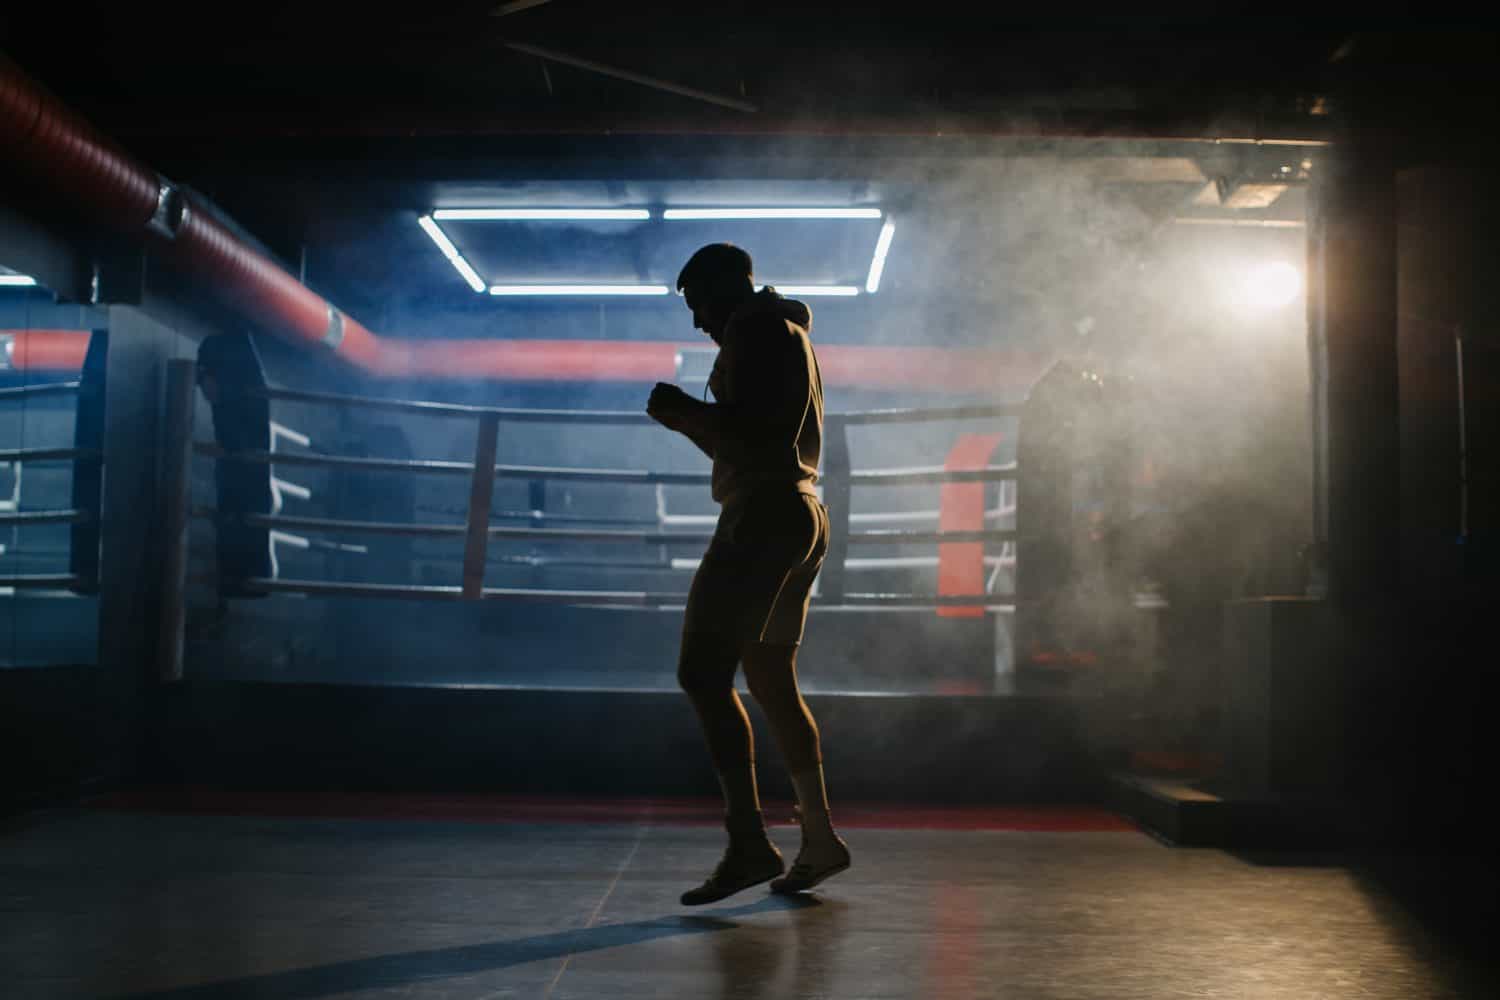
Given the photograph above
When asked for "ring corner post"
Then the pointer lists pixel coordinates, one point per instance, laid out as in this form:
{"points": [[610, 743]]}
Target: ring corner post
{"points": [[481, 494], [177, 465]]}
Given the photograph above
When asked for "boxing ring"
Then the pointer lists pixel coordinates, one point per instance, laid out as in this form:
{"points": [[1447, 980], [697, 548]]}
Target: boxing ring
{"points": [[258, 724], [482, 529], [82, 514], [477, 530]]}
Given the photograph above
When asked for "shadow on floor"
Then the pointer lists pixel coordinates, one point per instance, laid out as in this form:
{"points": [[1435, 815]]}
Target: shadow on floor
{"points": [[385, 971], [1443, 906], [1446, 906]]}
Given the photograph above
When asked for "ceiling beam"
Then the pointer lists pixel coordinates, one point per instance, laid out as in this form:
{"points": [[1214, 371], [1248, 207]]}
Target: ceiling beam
{"points": [[515, 7], [630, 77]]}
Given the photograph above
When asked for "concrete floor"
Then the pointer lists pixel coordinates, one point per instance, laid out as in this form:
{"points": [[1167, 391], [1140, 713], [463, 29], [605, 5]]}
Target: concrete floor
{"points": [[113, 904]]}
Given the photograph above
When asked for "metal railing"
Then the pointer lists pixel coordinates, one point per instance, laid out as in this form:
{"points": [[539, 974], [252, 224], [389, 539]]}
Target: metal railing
{"points": [[43, 389], [15, 518]]}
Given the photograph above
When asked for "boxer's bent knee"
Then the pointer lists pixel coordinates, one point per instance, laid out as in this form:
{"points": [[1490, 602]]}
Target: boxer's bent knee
{"points": [[771, 671], [707, 662]]}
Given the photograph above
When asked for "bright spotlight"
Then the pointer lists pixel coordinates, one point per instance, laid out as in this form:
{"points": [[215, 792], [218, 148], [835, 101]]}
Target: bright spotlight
{"points": [[1271, 286]]}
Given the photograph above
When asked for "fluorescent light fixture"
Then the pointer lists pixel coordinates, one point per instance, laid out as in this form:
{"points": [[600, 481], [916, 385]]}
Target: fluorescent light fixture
{"points": [[439, 237], [675, 214], [16, 281], [540, 214], [579, 290], [877, 263], [842, 291], [470, 275], [450, 251]]}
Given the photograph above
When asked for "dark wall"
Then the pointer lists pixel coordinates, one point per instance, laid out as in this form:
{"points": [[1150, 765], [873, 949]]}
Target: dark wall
{"points": [[1405, 377], [1449, 364], [1450, 399]]}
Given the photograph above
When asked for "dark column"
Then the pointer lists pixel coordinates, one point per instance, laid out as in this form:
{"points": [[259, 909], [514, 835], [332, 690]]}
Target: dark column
{"points": [[88, 473], [1450, 257], [1450, 404], [1356, 417], [1405, 393], [139, 349], [1352, 339]]}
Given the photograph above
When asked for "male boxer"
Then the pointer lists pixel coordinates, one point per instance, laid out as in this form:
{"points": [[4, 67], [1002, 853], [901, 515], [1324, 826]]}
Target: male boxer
{"points": [[748, 601]]}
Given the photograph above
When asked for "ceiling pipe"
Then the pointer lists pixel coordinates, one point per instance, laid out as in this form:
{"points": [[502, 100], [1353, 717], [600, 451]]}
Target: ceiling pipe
{"points": [[63, 151], [42, 134]]}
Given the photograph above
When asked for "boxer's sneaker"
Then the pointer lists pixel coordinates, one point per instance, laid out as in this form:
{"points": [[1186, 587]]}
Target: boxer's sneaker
{"points": [[746, 862], [819, 859]]}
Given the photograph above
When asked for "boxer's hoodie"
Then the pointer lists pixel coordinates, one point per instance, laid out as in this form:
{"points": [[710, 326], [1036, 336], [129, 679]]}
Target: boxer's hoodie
{"points": [[765, 428]]}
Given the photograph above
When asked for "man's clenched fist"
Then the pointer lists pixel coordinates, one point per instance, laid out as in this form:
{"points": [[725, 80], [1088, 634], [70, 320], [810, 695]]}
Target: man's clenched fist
{"points": [[668, 405]]}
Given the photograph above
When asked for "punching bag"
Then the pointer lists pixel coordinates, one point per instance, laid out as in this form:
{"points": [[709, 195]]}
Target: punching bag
{"points": [[229, 370]]}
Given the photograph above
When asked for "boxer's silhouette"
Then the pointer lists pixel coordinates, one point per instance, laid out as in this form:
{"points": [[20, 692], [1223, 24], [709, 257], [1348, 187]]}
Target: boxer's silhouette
{"points": [[748, 601]]}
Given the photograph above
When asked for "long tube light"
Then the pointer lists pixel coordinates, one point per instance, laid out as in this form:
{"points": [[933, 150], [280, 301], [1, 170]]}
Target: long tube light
{"points": [[545, 214], [557, 290], [841, 291], [450, 251], [16, 281], [877, 263], [471, 277], [676, 214]]}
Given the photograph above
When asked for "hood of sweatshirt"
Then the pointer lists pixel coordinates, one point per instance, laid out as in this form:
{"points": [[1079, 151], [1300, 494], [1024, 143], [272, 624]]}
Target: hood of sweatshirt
{"points": [[769, 300]]}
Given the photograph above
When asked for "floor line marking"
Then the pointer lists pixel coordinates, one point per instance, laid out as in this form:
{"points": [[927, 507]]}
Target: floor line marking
{"points": [[640, 835]]}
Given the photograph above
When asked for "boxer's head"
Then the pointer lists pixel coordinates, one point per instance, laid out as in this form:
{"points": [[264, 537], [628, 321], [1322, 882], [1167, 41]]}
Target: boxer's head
{"points": [[715, 282]]}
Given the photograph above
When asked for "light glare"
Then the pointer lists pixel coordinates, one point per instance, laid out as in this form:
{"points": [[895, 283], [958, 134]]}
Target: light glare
{"points": [[16, 281], [1273, 285]]}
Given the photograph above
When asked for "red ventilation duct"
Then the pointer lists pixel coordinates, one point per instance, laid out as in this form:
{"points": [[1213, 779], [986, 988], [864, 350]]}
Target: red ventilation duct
{"points": [[70, 154], [66, 153]]}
